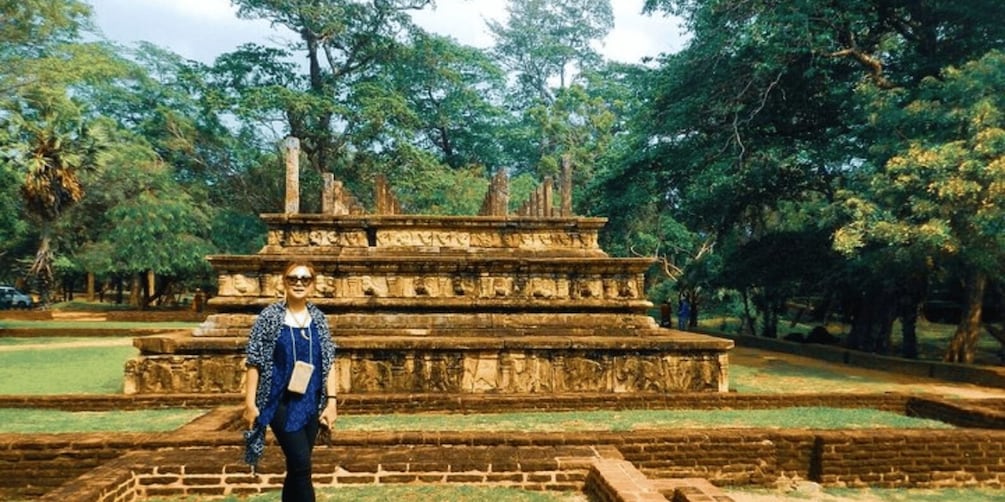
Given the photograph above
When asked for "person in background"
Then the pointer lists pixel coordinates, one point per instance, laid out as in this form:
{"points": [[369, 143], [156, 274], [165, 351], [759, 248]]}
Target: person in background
{"points": [[290, 387], [683, 314]]}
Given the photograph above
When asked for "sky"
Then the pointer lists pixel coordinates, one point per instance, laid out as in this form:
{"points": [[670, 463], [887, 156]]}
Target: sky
{"points": [[203, 29]]}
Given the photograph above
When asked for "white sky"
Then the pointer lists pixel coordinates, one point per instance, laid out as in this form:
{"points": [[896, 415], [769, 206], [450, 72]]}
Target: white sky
{"points": [[204, 29]]}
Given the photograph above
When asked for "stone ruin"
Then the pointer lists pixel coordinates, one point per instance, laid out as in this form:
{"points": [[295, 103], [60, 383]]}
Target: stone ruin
{"points": [[493, 303]]}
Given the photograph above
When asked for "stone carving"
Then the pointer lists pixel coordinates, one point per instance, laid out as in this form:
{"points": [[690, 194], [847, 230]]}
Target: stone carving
{"points": [[457, 240], [325, 286], [374, 286], [239, 285], [589, 288], [543, 288], [586, 372], [298, 237]]}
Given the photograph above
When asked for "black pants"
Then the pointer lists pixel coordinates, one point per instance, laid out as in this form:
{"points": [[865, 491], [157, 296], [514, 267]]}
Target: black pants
{"points": [[297, 447]]}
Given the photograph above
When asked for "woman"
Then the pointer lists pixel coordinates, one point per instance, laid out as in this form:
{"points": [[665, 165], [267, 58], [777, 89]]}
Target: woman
{"points": [[290, 386]]}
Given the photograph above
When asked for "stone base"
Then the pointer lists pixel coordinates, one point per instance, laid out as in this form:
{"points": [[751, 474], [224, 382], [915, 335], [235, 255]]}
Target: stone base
{"points": [[680, 362]]}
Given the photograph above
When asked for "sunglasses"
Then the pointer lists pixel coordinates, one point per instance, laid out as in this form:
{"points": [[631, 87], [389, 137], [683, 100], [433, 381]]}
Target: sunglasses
{"points": [[306, 280]]}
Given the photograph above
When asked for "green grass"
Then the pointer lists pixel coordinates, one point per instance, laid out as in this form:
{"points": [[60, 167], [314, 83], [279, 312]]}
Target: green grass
{"points": [[56, 342], [91, 325], [410, 493], [86, 306], [815, 493], [631, 420], [70, 370], [30, 421], [461, 493]]}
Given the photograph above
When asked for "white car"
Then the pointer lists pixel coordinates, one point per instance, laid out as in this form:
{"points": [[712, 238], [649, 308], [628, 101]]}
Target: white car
{"points": [[12, 298]]}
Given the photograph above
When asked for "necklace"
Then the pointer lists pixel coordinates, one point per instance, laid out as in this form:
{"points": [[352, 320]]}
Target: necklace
{"points": [[302, 324]]}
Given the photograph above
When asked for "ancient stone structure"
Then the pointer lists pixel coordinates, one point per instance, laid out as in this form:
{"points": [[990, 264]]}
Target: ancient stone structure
{"points": [[494, 303]]}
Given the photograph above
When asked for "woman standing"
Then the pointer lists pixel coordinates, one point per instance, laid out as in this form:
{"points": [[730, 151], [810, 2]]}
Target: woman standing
{"points": [[290, 386]]}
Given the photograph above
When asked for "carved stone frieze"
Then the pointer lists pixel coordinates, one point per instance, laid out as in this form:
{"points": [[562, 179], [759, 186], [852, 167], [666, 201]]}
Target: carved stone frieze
{"points": [[453, 372]]}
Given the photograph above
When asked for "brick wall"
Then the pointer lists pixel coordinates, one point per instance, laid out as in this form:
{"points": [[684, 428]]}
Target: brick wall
{"points": [[156, 316], [26, 315], [33, 465], [36, 465]]}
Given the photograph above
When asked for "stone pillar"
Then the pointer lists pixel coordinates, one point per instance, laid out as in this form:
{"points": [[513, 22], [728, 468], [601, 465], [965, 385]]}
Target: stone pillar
{"points": [[547, 200], [328, 193], [566, 210], [496, 201], [291, 152], [386, 202]]}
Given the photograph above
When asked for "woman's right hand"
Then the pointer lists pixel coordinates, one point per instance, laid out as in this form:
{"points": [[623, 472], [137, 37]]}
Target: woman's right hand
{"points": [[250, 414]]}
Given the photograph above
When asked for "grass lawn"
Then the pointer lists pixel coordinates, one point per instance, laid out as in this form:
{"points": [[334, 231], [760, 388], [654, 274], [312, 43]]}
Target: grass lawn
{"points": [[411, 493], [29, 421], [454, 493], [632, 420], [91, 325], [815, 493], [63, 365]]}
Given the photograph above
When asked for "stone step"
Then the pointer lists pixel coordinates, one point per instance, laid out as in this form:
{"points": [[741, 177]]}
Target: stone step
{"points": [[58, 315], [238, 324], [181, 343]]}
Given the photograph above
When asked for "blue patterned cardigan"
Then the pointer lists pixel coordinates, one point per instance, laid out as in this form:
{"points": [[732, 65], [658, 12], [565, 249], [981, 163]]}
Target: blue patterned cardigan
{"points": [[260, 350]]}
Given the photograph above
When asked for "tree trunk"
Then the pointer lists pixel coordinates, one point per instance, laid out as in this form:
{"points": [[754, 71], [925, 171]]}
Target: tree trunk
{"points": [[872, 322], [963, 346], [41, 268], [136, 290], [909, 332], [748, 326]]}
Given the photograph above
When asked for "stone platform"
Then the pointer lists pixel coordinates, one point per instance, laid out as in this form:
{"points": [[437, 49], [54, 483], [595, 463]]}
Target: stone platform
{"points": [[495, 303], [455, 353]]}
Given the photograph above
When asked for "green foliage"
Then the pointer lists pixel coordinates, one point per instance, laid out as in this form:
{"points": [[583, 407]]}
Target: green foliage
{"points": [[943, 190], [138, 218], [541, 40], [447, 192], [454, 94]]}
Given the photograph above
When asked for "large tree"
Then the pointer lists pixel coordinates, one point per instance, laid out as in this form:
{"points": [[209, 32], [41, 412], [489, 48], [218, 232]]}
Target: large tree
{"points": [[337, 110], [47, 132], [942, 193], [760, 114], [545, 42]]}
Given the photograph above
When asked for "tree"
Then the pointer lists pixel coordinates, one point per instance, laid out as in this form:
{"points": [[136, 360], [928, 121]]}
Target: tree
{"points": [[943, 191], [546, 40], [455, 93], [138, 219], [760, 114], [335, 110], [47, 133]]}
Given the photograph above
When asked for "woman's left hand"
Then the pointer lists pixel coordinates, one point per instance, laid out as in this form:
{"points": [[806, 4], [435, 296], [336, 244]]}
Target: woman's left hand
{"points": [[329, 414]]}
